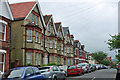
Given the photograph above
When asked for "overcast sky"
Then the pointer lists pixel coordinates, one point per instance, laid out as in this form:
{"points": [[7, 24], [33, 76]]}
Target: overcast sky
{"points": [[90, 21]]}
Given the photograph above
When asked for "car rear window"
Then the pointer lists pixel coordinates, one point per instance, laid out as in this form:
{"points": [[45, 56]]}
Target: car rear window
{"points": [[72, 67], [42, 68]]}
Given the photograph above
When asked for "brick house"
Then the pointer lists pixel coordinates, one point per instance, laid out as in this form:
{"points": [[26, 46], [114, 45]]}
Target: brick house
{"points": [[50, 38], [60, 57], [27, 35], [5, 25], [77, 52], [68, 46]]}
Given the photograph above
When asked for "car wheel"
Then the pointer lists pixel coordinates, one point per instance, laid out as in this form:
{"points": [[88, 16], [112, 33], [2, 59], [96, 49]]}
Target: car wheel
{"points": [[83, 73], [55, 78], [79, 73]]}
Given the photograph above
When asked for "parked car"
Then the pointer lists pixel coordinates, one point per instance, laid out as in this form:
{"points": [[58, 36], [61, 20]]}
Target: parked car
{"points": [[92, 67], [97, 66], [22, 73], [118, 68], [74, 69], [85, 67], [52, 72]]}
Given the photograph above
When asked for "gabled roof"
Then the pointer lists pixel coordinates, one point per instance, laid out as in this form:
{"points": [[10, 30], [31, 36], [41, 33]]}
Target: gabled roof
{"points": [[5, 9], [47, 18], [65, 30], [57, 25], [21, 10]]}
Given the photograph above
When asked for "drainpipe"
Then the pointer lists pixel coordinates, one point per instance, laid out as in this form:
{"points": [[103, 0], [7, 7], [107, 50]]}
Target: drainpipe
{"points": [[10, 47], [45, 48]]}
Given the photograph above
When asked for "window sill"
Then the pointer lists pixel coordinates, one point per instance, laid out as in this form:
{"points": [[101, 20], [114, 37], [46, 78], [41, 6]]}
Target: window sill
{"points": [[29, 41], [3, 40]]}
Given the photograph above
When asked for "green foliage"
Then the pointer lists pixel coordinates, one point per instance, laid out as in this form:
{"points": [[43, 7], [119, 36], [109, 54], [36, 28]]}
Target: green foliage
{"points": [[49, 64], [43, 65], [117, 57], [99, 56], [29, 64], [105, 62], [52, 64], [114, 42]]}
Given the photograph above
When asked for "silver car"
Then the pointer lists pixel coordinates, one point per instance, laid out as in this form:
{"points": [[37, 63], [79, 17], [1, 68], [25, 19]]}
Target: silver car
{"points": [[52, 73], [85, 67]]}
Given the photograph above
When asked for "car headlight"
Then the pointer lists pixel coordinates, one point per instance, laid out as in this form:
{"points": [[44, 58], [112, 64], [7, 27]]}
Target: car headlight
{"points": [[50, 77]]}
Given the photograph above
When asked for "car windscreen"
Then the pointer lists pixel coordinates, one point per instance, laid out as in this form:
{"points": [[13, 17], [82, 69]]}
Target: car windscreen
{"points": [[16, 73], [72, 67]]}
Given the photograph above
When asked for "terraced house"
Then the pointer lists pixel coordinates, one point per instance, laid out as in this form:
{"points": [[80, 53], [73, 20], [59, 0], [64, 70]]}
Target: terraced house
{"points": [[50, 38], [27, 35], [5, 25], [68, 46], [60, 57]]}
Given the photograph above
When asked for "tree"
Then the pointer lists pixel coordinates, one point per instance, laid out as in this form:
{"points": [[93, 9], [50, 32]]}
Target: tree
{"points": [[99, 56], [114, 42], [105, 62], [117, 57]]}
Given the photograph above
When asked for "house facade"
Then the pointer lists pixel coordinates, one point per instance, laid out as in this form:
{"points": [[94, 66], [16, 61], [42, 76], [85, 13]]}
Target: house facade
{"points": [[5, 25], [27, 35], [50, 39], [68, 46], [60, 57]]}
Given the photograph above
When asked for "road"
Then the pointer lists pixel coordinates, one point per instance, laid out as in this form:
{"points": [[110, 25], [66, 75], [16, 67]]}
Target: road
{"points": [[104, 74]]}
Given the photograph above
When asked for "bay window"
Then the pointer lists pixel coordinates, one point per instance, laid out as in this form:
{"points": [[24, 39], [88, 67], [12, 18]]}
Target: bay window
{"points": [[39, 37], [39, 59], [36, 58], [29, 57], [35, 36], [2, 31], [29, 35], [51, 44]]}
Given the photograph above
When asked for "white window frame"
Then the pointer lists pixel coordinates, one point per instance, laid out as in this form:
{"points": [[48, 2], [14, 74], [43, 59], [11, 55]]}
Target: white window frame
{"points": [[29, 35], [36, 58], [3, 23], [39, 37], [58, 46], [29, 52], [39, 59], [33, 17], [36, 20], [35, 36], [51, 43], [68, 48], [55, 44], [75, 52]]}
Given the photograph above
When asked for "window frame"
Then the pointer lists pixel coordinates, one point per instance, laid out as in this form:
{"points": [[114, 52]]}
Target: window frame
{"points": [[30, 57], [1, 32], [36, 36], [29, 40]]}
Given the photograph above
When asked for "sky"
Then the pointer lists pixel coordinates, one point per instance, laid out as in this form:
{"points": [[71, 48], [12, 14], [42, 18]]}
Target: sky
{"points": [[90, 21]]}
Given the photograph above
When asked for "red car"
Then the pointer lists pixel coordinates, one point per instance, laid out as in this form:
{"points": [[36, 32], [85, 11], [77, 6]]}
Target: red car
{"points": [[118, 68], [74, 69]]}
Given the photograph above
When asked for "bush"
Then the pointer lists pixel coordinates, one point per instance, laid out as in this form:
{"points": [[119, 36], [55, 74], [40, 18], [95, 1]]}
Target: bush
{"points": [[105, 62], [52, 64], [43, 65], [29, 64]]}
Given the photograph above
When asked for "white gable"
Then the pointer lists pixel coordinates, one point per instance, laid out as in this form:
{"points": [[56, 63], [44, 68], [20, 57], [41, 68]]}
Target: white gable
{"points": [[5, 9]]}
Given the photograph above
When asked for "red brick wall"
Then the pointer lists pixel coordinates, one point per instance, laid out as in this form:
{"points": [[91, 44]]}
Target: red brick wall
{"points": [[6, 44]]}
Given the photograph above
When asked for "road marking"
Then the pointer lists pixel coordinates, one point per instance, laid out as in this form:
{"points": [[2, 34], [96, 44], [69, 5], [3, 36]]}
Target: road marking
{"points": [[93, 78]]}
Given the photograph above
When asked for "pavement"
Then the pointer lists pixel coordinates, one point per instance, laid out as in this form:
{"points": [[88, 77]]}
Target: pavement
{"points": [[103, 74]]}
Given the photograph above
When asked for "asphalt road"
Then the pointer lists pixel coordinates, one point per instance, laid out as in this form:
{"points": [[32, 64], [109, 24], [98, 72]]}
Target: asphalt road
{"points": [[104, 74]]}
